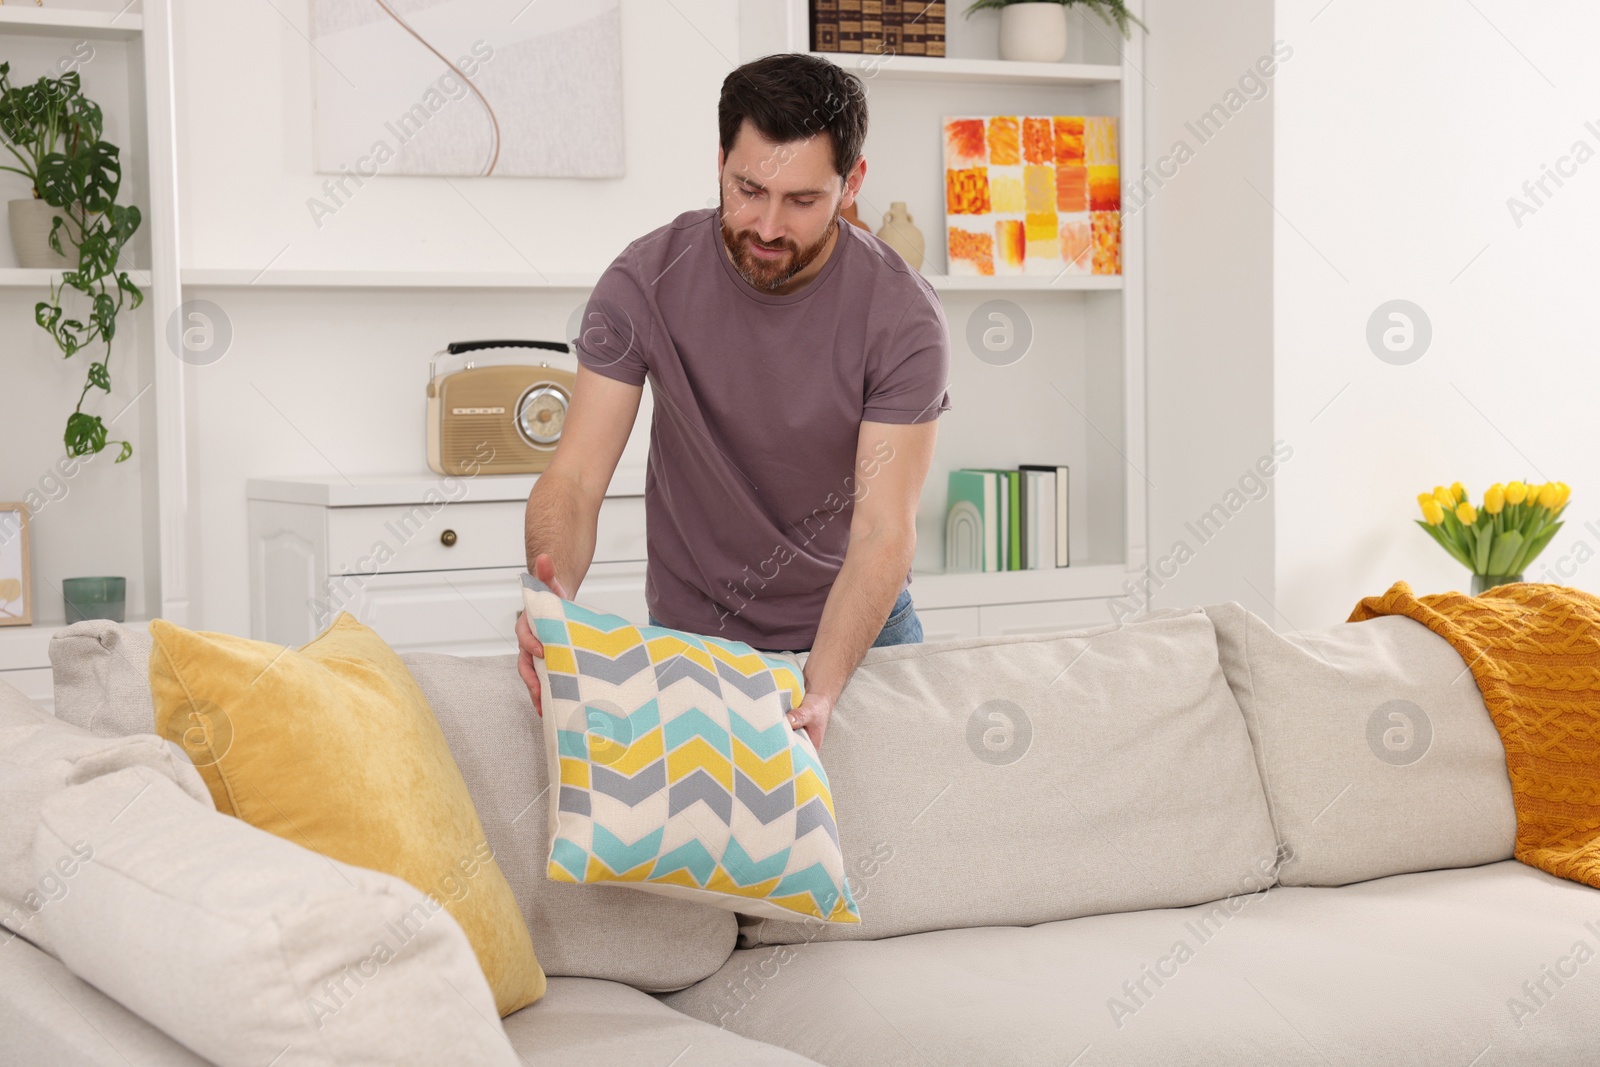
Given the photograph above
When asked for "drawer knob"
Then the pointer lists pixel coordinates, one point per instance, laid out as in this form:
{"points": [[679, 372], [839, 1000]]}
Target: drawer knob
{"points": [[447, 538]]}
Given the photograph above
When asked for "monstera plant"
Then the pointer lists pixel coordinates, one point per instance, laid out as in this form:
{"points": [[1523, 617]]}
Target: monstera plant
{"points": [[53, 131]]}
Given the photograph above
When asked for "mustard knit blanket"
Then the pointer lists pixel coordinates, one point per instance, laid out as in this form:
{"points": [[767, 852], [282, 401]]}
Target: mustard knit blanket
{"points": [[1535, 652]]}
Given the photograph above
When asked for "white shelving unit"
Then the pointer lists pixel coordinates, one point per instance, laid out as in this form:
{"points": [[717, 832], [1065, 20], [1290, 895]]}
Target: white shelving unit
{"points": [[139, 43], [1088, 330], [70, 23]]}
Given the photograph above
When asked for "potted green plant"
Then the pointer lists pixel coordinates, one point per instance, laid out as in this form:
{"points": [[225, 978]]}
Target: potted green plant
{"points": [[53, 131], [1037, 32]]}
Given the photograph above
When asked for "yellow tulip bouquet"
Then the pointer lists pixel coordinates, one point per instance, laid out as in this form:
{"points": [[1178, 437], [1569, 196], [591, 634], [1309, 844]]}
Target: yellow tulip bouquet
{"points": [[1498, 540]]}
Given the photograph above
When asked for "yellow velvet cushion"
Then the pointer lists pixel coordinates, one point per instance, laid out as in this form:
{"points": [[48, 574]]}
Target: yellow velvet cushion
{"points": [[333, 746]]}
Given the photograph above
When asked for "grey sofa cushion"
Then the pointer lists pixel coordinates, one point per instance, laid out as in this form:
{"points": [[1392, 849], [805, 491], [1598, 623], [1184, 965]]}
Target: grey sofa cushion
{"points": [[1017, 780], [248, 949], [582, 1022], [39, 757], [1377, 753], [610, 932], [1416, 970]]}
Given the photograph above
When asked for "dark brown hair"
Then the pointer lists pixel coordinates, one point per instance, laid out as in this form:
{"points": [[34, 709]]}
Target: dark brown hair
{"points": [[790, 97]]}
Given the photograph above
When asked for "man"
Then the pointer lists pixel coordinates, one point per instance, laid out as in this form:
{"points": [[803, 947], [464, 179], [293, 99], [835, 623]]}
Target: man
{"points": [[798, 367]]}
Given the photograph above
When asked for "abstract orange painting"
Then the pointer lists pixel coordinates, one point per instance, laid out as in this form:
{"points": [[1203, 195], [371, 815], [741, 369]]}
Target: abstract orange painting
{"points": [[1032, 194]]}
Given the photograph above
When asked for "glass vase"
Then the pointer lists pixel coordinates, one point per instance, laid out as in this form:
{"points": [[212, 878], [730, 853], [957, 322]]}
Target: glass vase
{"points": [[1482, 582]]}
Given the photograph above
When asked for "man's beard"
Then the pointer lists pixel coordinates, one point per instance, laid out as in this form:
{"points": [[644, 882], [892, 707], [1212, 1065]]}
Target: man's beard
{"points": [[774, 273]]}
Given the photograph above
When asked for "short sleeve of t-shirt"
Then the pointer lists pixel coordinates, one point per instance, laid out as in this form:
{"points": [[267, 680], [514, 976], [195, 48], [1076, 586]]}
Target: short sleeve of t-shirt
{"points": [[908, 376], [615, 324]]}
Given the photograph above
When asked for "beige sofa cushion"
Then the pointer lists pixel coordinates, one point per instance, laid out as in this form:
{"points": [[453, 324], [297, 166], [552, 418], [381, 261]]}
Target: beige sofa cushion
{"points": [[101, 675], [51, 1016], [1373, 743], [652, 943], [583, 1022], [248, 949], [1421, 969], [39, 757], [1017, 780]]}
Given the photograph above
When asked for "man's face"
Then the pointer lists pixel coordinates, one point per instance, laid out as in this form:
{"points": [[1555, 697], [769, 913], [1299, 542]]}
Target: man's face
{"points": [[780, 204]]}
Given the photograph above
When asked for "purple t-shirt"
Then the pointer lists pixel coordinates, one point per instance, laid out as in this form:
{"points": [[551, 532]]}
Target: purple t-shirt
{"points": [[759, 401]]}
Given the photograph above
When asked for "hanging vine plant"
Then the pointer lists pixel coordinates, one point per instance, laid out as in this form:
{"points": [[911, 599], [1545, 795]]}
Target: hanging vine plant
{"points": [[54, 131]]}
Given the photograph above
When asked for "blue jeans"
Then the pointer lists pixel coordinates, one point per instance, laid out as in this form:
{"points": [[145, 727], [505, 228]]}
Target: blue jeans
{"points": [[902, 627]]}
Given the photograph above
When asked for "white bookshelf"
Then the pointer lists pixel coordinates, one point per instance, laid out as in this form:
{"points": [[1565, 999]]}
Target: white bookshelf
{"points": [[16, 19], [1077, 397], [229, 278], [131, 519], [949, 69]]}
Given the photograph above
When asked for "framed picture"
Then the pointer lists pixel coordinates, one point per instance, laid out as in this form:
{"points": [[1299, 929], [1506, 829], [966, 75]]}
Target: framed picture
{"points": [[16, 588]]}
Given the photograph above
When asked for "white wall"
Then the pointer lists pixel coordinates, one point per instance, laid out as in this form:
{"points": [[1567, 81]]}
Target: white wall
{"points": [[1209, 319], [1402, 130], [322, 382]]}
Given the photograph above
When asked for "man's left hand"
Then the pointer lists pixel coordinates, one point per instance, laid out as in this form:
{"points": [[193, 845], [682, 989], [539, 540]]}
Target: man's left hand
{"points": [[812, 716]]}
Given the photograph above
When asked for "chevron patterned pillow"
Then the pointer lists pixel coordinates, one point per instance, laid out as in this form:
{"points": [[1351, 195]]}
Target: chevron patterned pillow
{"points": [[679, 773]]}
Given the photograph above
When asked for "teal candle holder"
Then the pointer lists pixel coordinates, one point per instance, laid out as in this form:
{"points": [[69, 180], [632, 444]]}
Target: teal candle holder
{"points": [[95, 598]]}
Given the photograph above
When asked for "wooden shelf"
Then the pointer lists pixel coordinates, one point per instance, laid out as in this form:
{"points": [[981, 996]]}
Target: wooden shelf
{"points": [[40, 278], [227, 277], [991, 71], [932, 589], [65, 22]]}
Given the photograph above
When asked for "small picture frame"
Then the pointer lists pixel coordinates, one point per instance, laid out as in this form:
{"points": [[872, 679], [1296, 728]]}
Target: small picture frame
{"points": [[16, 585]]}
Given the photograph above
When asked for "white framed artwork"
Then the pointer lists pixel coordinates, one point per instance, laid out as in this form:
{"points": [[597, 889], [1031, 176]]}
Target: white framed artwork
{"points": [[16, 585], [467, 88]]}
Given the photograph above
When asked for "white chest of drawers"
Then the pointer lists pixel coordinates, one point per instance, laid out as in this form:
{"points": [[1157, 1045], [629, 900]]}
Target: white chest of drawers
{"points": [[433, 564]]}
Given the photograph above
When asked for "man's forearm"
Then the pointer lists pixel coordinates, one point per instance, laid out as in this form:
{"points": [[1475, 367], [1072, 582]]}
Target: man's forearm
{"points": [[870, 579], [561, 522]]}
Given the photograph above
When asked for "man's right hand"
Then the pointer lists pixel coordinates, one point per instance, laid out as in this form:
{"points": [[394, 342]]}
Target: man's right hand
{"points": [[529, 646]]}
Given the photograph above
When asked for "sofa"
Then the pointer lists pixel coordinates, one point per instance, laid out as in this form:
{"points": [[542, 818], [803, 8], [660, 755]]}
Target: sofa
{"points": [[1184, 839]]}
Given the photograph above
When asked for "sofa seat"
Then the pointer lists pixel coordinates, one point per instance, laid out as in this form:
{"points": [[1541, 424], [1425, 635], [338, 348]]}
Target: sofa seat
{"points": [[50, 1016], [587, 1022], [1421, 969]]}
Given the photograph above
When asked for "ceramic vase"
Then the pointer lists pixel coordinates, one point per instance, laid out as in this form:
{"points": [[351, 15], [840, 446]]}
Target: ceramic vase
{"points": [[30, 220], [1035, 33], [900, 233]]}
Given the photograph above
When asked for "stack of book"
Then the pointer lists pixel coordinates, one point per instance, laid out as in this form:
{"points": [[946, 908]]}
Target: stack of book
{"points": [[878, 27], [1005, 519]]}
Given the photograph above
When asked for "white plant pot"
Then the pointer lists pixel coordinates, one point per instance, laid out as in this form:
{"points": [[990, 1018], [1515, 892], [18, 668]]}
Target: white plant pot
{"points": [[1034, 33], [30, 221]]}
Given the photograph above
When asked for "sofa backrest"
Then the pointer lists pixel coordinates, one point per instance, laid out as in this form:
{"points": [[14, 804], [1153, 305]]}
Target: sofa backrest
{"points": [[1374, 745], [654, 943], [1022, 779]]}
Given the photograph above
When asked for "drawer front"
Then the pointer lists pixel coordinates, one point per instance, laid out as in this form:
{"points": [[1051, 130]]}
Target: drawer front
{"points": [[396, 540], [474, 613], [1045, 616], [947, 624]]}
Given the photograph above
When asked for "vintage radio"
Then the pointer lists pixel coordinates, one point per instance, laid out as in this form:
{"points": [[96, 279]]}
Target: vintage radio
{"points": [[501, 417]]}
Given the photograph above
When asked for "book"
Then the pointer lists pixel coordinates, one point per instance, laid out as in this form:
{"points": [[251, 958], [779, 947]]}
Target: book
{"points": [[850, 25], [972, 540], [824, 25], [933, 36], [913, 40], [1063, 546], [1038, 519], [1010, 489], [872, 27], [893, 13]]}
